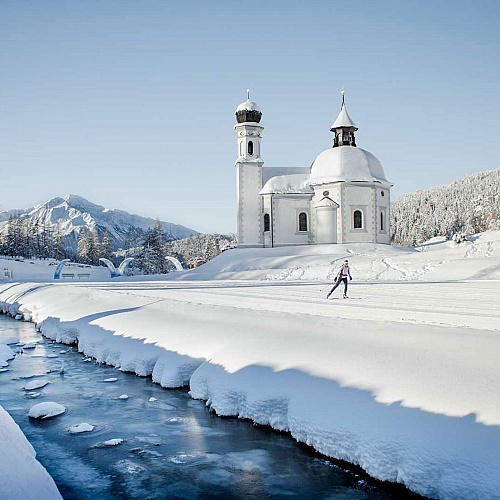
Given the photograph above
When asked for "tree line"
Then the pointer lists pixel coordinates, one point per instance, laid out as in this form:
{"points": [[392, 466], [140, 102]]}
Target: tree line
{"points": [[23, 237], [468, 206]]}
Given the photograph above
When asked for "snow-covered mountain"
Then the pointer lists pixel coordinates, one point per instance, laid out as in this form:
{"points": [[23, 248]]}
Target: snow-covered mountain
{"points": [[470, 205], [72, 214]]}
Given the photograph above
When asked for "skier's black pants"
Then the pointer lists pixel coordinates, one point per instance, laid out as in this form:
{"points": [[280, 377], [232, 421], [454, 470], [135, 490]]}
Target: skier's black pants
{"points": [[337, 284]]}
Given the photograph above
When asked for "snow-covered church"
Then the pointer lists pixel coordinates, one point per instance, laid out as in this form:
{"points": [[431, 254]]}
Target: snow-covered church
{"points": [[343, 197]]}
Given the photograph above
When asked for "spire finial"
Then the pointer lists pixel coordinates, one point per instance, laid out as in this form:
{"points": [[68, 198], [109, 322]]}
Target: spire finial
{"points": [[343, 95], [248, 94]]}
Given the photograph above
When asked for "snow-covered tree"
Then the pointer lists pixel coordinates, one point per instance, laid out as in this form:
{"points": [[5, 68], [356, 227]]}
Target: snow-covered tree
{"points": [[106, 247], [470, 205], [151, 258]]}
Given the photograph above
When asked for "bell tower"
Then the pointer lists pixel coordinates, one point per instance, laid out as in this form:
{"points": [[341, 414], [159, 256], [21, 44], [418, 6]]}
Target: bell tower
{"points": [[249, 174], [344, 127]]}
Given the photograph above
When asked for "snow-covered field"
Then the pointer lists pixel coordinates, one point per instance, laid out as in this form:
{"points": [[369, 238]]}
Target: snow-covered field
{"points": [[402, 378]]}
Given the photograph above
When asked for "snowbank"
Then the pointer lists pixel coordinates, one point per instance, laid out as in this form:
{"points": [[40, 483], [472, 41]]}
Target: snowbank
{"points": [[437, 260], [402, 379], [22, 476]]}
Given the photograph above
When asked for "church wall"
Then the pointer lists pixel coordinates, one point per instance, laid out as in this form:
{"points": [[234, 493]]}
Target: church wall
{"points": [[285, 214], [333, 234], [383, 208], [360, 198], [249, 180]]}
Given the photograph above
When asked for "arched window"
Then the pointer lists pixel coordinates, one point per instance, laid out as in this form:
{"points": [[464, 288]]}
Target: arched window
{"points": [[382, 221], [302, 221], [267, 223], [358, 219], [250, 148]]}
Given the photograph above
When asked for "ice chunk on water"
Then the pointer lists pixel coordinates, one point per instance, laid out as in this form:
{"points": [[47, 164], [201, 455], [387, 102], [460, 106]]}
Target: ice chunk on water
{"points": [[83, 427], [123, 396], [152, 400], [109, 443], [34, 395], [110, 379], [112, 442], [6, 353], [46, 410], [36, 384]]}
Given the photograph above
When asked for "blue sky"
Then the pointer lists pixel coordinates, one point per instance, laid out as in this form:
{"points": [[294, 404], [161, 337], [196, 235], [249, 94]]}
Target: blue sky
{"points": [[131, 103]]}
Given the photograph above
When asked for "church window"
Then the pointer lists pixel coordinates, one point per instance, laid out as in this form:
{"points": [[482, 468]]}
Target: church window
{"points": [[267, 223], [382, 221], [382, 193], [250, 148], [358, 219], [302, 221]]}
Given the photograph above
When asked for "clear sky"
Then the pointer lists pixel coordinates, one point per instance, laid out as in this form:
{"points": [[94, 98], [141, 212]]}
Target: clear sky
{"points": [[130, 103]]}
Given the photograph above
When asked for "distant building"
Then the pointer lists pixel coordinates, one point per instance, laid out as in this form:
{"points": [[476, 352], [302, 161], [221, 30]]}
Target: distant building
{"points": [[343, 197]]}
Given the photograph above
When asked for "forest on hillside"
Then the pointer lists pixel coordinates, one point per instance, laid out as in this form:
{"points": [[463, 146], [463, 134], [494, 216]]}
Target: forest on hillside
{"points": [[468, 206]]}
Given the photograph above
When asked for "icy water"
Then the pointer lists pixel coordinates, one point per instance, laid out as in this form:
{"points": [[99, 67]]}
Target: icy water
{"points": [[172, 447]]}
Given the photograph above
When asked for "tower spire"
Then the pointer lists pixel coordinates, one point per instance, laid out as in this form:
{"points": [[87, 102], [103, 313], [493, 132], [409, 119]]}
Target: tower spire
{"points": [[344, 127], [248, 94]]}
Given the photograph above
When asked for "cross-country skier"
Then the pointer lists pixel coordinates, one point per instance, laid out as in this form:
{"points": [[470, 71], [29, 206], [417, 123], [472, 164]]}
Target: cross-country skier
{"points": [[343, 274]]}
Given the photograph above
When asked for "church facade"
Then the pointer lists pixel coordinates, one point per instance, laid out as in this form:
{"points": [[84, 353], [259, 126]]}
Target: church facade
{"points": [[343, 197]]}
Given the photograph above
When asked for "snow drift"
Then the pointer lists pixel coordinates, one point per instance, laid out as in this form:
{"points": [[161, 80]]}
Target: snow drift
{"points": [[22, 475]]}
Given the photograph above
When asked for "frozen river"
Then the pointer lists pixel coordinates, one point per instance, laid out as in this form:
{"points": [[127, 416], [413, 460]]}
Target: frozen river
{"points": [[172, 447]]}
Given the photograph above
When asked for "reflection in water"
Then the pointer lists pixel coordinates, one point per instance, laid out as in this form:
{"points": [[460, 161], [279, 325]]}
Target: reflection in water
{"points": [[157, 443]]}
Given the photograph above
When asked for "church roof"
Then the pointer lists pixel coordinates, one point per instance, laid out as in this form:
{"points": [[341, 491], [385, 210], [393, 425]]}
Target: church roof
{"points": [[288, 184], [347, 164], [343, 120]]}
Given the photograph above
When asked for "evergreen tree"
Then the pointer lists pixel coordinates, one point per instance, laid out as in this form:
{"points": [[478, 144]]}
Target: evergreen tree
{"points": [[82, 252], [106, 248], [152, 256], [212, 247]]}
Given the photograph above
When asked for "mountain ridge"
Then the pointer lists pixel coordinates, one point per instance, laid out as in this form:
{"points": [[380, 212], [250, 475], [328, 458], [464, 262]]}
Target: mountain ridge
{"points": [[72, 214]]}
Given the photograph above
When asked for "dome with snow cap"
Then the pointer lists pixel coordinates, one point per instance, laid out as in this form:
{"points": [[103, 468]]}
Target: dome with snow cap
{"points": [[346, 164], [248, 111]]}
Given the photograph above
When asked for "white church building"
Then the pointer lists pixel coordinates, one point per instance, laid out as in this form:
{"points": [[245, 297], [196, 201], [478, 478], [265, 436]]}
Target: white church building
{"points": [[343, 197]]}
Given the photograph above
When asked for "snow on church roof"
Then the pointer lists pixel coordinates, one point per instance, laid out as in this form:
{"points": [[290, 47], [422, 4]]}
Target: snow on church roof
{"points": [[288, 184], [347, 164], [248, 105], [343, 120]]}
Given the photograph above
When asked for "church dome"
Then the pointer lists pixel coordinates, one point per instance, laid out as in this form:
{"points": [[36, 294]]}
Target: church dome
{"points": [[346, 164], [248, 111]]}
